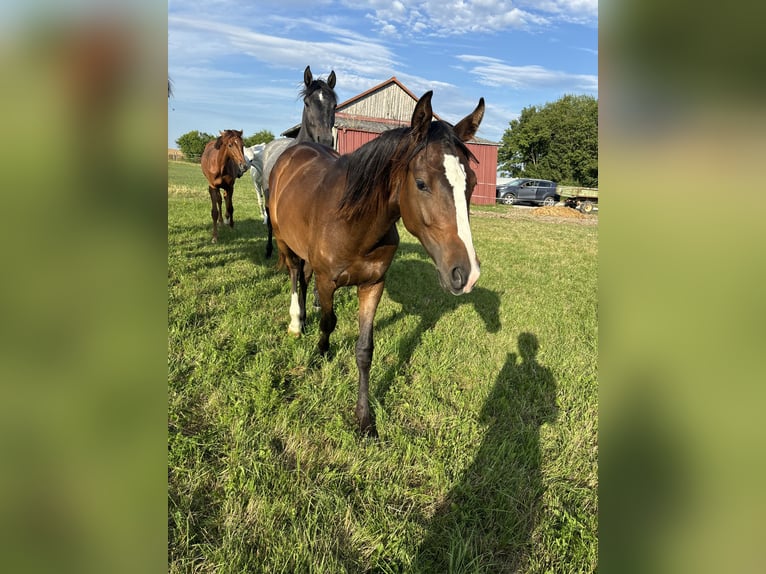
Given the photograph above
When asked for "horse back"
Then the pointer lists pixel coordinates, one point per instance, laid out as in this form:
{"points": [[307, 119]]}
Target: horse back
{"points": [[302, 170]]}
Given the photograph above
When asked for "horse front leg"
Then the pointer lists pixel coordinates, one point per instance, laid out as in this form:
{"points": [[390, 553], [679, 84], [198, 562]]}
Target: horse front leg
{"points": [[326, 292], [215, 199], [297, 295], [228, 219], [219, 201], [369, 297], [259, 195]]}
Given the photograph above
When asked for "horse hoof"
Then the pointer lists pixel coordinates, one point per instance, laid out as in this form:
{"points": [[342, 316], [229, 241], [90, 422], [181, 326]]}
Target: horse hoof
{"points": [[367, 428], [295, 334]]}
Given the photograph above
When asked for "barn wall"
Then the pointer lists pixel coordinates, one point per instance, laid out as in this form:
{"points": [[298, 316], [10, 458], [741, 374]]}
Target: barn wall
{"points": [[486, 170], [389, 103], [486, 173], [350, 140]]}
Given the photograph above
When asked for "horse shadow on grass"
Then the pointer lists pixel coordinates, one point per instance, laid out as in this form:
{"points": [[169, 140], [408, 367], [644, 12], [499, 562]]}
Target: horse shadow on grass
{"points": [[414, 284], [246, 240], [193, 252], [487, 520]]}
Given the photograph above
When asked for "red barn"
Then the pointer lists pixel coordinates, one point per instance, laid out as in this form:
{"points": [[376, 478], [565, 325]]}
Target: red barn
{"points": [[390, 105]]}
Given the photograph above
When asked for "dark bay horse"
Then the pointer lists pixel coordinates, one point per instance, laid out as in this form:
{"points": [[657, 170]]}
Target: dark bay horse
{"points": [[319, 101], [223, 161], [335, 216]]}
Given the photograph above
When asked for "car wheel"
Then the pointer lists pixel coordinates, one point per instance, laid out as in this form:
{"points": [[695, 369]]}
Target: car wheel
{"points": [[587, 207], [508, 199], [549, 201]]}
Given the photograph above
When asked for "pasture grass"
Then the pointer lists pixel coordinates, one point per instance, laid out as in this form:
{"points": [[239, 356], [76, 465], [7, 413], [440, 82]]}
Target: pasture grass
{"points": [[486, 406]]}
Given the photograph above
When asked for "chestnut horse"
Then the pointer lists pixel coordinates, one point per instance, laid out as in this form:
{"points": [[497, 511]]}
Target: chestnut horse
{"points": [[335, 216], [223, 161], [319, 101]]}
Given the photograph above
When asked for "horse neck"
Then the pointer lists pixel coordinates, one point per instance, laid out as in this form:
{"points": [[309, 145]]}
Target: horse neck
{"points": [[381, 224], [221, 157], [303, 135]]}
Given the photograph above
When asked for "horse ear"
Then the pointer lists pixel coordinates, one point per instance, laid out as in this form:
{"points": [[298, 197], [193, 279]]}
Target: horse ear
{"points": [[422, 116], [218, 142], [307, 77], [331, 80], [469, 125]]}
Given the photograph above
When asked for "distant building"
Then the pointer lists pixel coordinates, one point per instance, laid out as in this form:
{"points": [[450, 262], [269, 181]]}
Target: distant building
{"points": [[389, 105], [175, 154]]}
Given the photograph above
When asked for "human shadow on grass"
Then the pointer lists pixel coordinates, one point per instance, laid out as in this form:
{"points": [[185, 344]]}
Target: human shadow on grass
{"points": [[486, 521]]}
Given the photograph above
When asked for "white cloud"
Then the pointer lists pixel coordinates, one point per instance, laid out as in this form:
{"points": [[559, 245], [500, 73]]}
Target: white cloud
{"points": [[581, 11], [200, 39], [455, 17], [494, 72]]}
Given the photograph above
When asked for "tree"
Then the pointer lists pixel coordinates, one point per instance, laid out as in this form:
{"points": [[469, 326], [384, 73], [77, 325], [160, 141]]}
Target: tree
{"points": [[192, 144], [263, 136], [558, 141]]}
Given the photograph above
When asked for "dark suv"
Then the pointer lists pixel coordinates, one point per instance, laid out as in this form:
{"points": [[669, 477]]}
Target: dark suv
{"points": [[523, 190]]}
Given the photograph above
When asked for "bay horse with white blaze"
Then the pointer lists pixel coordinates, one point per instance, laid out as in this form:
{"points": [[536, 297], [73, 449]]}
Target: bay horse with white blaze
{"points": [[317, 121], [335, 216], [223, 161]]}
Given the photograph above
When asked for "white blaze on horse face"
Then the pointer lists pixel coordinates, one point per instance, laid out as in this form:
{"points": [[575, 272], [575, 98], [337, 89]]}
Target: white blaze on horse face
{"points": [[295, 315], [455, 173]]}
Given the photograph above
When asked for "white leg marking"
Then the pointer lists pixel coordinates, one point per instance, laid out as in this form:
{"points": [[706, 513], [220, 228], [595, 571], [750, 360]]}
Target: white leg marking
{"points": [[455, 173], [295, 313]]}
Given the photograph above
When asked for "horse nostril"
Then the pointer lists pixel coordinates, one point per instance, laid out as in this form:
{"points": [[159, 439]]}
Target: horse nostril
{"points": [[458, 280]]}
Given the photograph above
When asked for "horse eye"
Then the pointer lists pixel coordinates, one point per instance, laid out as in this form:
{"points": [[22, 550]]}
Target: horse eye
{"points": [[421, 185]]}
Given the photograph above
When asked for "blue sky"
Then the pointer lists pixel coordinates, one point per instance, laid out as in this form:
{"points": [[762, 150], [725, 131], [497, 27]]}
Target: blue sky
{"points": [[239, 65]]}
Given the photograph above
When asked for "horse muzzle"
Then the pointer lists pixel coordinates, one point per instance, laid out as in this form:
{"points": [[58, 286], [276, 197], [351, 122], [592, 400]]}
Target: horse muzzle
{"points": [[458, 270], [459, 279]]}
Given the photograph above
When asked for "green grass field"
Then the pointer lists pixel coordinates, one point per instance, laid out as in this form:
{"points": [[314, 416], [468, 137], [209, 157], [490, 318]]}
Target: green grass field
{"points": [[486, 406]]}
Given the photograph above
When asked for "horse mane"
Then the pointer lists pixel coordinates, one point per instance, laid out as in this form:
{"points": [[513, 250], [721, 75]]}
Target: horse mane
{"points": [[375, 170]]}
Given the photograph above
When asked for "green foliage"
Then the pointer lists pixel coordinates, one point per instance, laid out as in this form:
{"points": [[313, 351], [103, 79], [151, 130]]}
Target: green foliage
{"points": [[558, 141], [486, 406], [192, 144], [263, 136]]}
